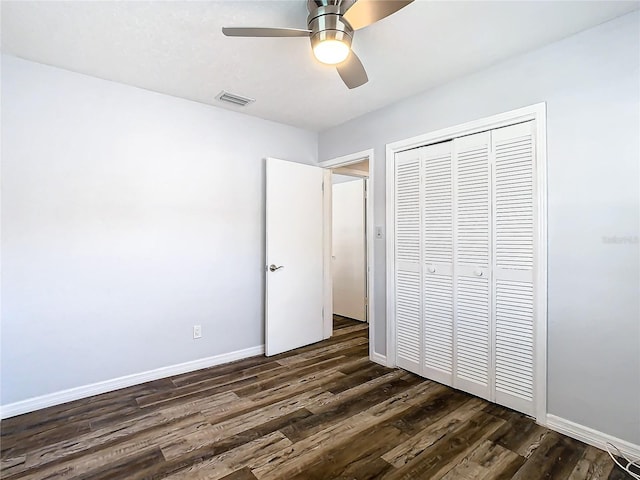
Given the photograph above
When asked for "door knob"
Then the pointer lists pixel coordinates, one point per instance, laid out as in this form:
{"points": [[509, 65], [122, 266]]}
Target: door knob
{"points": [[431, 269], [273, 268], [478, 273]]}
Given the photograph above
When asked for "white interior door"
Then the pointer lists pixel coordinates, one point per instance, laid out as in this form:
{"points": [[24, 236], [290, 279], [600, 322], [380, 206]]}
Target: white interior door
{"points": [[408, 257], [349, 255], [437, 249], [513, 265], [472, 240], [294, 256]]}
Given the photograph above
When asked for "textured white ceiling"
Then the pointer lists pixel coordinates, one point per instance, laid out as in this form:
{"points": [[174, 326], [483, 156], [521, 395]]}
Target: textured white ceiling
{"points": [[177, 48]]}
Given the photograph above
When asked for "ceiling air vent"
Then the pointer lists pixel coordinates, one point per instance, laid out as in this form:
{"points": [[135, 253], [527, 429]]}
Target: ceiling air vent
{"points": [[234, 99]]}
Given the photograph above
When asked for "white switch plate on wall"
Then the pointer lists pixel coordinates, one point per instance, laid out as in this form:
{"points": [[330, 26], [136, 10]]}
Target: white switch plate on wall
{"points": [[197, 331]]}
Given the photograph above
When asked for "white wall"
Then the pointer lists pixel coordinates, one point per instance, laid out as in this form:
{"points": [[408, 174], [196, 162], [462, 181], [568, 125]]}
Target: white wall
{"points": [[127, 217], [591, 83], [337, 178]]}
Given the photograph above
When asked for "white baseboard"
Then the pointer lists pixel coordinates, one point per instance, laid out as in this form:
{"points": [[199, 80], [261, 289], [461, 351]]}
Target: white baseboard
{"points": [[76, 393], [591, 436], [378, 358]]}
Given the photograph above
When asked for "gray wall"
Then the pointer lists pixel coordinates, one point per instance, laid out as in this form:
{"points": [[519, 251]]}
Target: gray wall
{"points": [[591, 84], [338, 178], [127, 217]]}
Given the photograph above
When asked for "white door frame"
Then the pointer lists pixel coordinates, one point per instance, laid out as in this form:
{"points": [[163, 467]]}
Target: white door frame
{"points": [[537, 113], [340, 162]]}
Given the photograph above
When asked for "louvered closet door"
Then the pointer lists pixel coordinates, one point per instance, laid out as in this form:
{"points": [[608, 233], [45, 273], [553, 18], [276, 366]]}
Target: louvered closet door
{"points": [[514, 234], [472, 265], [437, 252], [408, 295]]}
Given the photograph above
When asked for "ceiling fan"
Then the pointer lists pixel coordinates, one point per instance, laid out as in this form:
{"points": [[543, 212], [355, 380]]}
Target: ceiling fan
{"points": [[330, 26]]}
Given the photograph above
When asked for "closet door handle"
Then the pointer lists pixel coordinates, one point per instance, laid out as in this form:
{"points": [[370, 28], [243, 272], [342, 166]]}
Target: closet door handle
{"points": [[431, 269], [478, 273]]}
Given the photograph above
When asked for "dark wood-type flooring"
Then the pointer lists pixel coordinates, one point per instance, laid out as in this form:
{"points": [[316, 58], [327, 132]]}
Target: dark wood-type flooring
{"points": [[318, 413]]}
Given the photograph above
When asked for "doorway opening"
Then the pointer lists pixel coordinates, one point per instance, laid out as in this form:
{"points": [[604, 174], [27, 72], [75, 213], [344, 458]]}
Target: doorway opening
{"points": [[349, 253], [349, 241]]}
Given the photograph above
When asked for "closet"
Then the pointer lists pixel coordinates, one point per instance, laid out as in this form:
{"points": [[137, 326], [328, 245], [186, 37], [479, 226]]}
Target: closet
{"points": [[464, 241]]}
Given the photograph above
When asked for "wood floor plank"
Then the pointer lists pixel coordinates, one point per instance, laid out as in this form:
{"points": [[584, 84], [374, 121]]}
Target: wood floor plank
{"points": [[173, 397], [120, 467], [268, 397], [268, 382], [294, 386], [260, 372], [488, 461], [208, 453], [340, 410], [11, 465], [556, 457], [594, 465], [351, 329], [246, 368], [293, 460], [79, 459], [17, 445], [618, 474], [416, 444], [362, 375], [244, 456], [251, 419], [321, 412], [519, 434], [78, 412], [343, 388], [424, 415], [123, 430], [361, 459], [218, 401], [333, 341], [91, 464], [242, 474], [321, 351], [438, 459]]}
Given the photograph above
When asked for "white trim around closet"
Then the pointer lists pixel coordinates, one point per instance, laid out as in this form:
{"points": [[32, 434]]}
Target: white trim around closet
{"points": [[537, 113]]}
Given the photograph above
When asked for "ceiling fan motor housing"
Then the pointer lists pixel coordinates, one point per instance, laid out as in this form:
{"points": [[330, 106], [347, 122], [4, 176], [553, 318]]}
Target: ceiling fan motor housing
{"points": [[327, 23]]}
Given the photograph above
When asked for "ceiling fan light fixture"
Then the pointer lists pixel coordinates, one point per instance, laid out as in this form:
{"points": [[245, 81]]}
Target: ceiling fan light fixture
{"points": [[331, 46], [331, 52], [330, 27]]}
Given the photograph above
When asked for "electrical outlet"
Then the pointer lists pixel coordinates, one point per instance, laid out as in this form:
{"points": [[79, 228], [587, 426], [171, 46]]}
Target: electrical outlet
{"points": [[197, 331]]}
